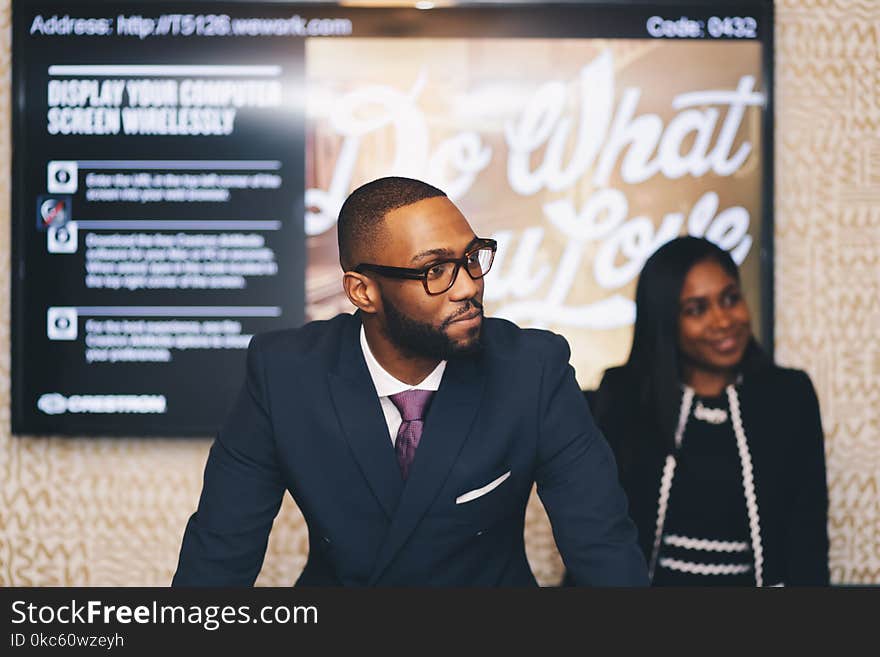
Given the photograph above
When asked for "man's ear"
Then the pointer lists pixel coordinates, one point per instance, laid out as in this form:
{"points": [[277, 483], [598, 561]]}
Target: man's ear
{"points": [[362, 292]]}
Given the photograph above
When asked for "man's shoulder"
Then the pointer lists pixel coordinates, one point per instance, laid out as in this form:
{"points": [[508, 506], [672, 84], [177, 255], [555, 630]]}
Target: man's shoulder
{"points": [[505, 339], [309, 339]]}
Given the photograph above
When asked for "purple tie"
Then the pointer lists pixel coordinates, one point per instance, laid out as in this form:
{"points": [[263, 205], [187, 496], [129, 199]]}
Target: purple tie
{"points": [[412, 405]]}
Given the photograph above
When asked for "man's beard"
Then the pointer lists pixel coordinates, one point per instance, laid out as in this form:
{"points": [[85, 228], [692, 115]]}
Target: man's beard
{"points": [[417, 338]]}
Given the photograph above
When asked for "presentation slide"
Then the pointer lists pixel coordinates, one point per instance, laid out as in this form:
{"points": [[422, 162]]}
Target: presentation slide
{"points": [[178, 174]]}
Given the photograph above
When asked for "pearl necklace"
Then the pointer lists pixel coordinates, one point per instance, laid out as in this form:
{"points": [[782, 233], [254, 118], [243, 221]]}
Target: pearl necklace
{"points": [[710, 415], [748, 480]]}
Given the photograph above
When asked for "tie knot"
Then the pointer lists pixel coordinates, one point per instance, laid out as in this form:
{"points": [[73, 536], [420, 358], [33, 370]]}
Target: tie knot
{"points": [[412, 403]]}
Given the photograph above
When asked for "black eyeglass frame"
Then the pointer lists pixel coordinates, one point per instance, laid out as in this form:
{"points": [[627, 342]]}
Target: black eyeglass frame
{"points": [[422, 274]]}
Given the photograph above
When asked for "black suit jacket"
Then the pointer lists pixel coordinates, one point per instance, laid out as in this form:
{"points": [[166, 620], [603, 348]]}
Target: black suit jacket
{"points": [[783, 430], [309, 421]]}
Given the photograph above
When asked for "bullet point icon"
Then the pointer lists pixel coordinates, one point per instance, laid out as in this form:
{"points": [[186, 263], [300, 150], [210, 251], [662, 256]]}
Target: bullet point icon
{"points": [[61, 323], [62, 239], [62, 177]]}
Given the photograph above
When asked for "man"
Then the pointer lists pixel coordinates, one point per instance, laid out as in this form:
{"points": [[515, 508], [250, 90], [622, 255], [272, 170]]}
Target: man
{"points": [[411, 432]]}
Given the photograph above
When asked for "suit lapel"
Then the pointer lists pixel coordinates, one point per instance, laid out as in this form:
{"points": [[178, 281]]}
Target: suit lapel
{"points": [[363, 423], [450, 417]]}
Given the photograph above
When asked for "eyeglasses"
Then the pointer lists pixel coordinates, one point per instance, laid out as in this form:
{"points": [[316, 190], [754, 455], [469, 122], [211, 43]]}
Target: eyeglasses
{"points": [[439, 276]]}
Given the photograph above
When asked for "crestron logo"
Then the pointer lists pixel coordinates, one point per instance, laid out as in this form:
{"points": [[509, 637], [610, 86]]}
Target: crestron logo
{"points": [[53, 403]]}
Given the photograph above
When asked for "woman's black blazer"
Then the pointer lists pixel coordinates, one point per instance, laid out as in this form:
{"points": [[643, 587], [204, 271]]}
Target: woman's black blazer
{"points": [[783, 430]]}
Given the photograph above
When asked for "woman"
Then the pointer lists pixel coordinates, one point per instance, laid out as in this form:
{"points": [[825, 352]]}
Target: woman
{"points": [[720, 451]]}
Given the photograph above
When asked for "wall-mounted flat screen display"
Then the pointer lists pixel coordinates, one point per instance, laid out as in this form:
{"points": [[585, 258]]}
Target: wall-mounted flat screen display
{"points": [[179, 166]]}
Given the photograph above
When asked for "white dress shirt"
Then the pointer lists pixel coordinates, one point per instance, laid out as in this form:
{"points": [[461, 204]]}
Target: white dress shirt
{"points": [[386, 385]]}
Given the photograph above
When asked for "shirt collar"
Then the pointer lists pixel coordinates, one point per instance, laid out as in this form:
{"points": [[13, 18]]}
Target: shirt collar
{"points": [[386, 384]]}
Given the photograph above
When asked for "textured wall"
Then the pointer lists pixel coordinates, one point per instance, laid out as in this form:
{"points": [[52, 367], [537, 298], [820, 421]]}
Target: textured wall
{"points": [[828, 250], [101, 512]]}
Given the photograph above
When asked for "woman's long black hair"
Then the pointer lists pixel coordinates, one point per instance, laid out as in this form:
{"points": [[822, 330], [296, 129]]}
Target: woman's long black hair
{"points": [[654, 360]]}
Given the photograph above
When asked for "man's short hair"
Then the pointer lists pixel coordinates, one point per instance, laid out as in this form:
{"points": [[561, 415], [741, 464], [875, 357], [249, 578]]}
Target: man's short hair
{"points": [[360, 218]]}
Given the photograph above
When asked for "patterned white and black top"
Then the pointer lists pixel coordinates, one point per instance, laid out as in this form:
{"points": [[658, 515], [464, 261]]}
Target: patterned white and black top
{"points": [[772, 462], [705, 537]]}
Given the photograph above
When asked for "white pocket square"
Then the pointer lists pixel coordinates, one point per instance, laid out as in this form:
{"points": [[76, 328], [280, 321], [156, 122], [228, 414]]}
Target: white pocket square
{"points": [[479, 492]]}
